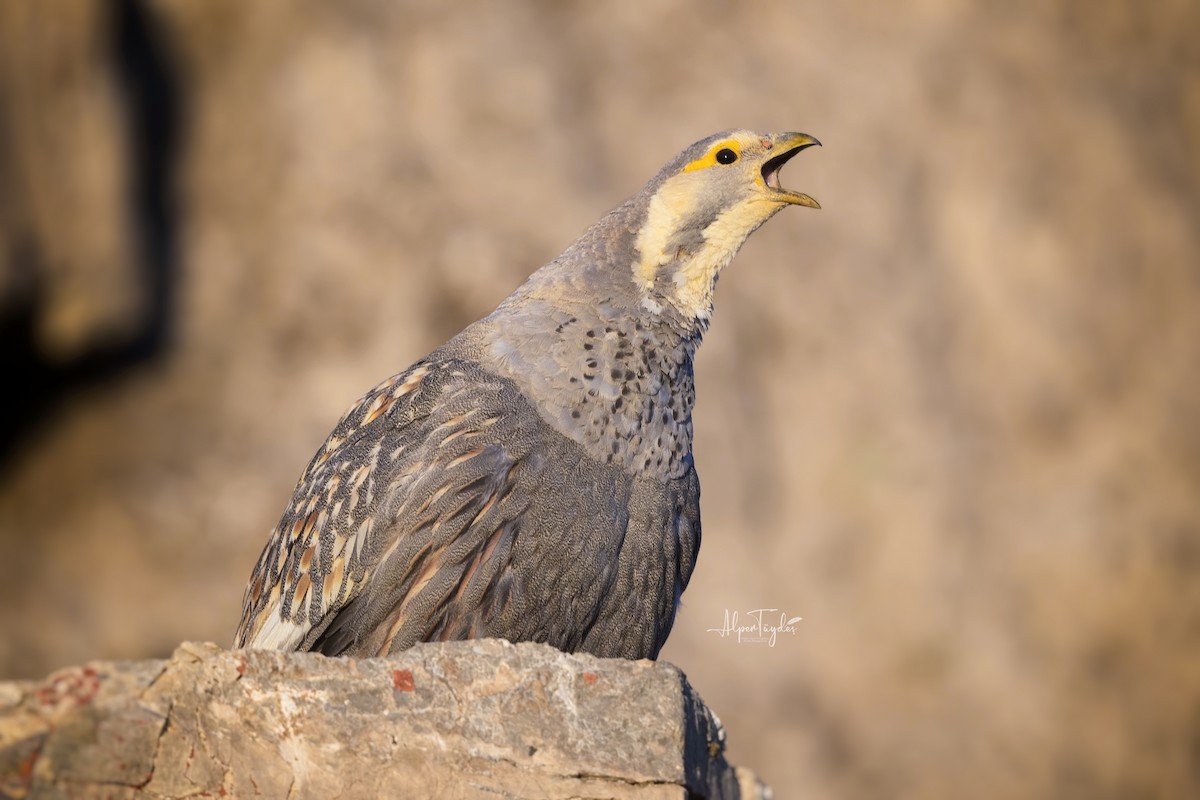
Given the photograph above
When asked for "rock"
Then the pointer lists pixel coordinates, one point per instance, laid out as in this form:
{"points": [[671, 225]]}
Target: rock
{"points": [[458, 719]]}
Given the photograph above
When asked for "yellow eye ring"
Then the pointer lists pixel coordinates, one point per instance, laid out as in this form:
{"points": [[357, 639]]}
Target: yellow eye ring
{"points": [[723, 153]]}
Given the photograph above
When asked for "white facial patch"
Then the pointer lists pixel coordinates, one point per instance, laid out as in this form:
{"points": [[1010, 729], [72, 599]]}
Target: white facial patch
{"points": [[673, 202], [691, 290], [695, 278]]}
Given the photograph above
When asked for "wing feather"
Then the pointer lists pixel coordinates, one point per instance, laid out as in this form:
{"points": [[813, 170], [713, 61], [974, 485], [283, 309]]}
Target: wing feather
{"points": [[404, 497]]}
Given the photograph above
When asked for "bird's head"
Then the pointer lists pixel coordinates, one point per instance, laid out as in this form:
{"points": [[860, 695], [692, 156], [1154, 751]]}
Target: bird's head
{"points": [[699, 209]]}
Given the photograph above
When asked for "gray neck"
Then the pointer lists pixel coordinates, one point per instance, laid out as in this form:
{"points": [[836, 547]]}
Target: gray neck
{"points": [[604, 371]]}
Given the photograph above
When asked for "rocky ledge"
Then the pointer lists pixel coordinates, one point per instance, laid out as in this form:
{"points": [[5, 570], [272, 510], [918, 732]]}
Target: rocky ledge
{"points": [[461, 719]]}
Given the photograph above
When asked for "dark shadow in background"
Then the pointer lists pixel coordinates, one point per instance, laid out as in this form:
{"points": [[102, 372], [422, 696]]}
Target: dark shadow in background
{"points": [[150, 88]]}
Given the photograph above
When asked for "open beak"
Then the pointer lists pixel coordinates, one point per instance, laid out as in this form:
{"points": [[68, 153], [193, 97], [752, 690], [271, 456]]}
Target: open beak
{"points": [[784, 147]]}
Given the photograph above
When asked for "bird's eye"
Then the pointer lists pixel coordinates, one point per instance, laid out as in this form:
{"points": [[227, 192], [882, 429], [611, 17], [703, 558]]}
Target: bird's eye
{"points": [[726, 156]]}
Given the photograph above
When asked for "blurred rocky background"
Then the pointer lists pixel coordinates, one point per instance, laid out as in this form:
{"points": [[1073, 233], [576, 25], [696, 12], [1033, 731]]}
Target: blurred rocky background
{"points": [[951, 420]]}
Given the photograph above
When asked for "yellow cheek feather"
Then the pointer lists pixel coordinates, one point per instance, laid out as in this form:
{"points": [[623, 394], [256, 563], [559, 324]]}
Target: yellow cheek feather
{"points": [[695, 279]]}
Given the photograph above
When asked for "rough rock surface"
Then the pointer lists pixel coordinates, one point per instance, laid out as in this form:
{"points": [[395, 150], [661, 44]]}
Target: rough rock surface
{"points": [[465, 719]]}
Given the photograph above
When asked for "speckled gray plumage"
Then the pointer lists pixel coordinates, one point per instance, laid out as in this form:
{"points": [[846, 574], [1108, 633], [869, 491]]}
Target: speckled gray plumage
{"points": [[531, 479]]}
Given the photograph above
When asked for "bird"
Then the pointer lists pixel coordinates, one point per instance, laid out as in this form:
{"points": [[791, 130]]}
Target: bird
{"points": [[531, 479]]}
